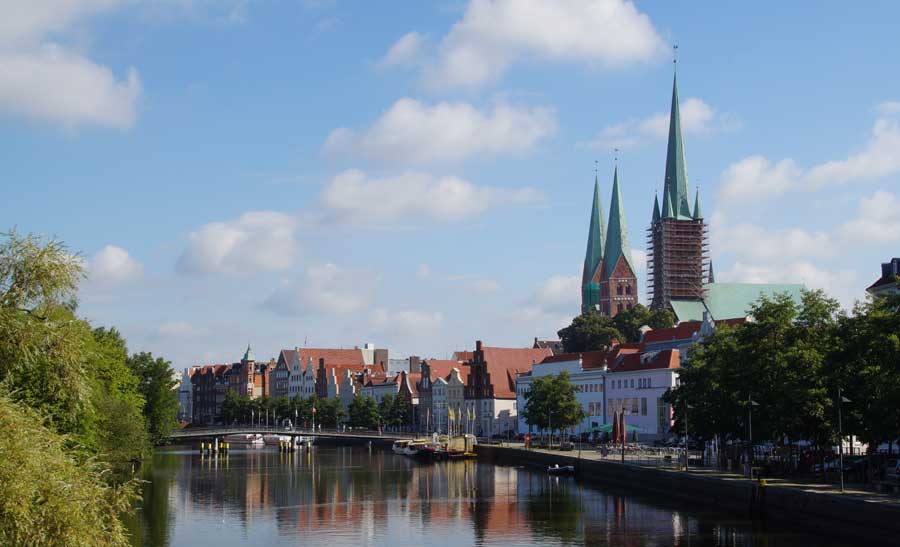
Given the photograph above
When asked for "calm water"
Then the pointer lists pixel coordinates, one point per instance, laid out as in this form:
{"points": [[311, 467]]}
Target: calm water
{"points": [[343, 496]]}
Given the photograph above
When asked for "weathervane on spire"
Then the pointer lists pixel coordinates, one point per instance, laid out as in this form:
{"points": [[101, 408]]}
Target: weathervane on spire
{"points": [[596, 168], [616, 157]]}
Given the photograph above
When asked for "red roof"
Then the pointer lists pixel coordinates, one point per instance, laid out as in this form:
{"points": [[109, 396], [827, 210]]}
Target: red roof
{"points": [[668, 358], [440, 368], [683, 331], [463, 355], [504, 363]]}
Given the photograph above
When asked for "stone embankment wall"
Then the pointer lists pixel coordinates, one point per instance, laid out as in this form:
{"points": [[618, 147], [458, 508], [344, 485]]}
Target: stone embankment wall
{"points": [[827, 513]]}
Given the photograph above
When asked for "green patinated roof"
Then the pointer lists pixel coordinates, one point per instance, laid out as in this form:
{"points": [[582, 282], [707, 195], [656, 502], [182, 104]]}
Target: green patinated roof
{"points": [[617, 230], [732, 300], [675, 192], [596, 233], [655, 208], [248, 355], [698, 214]]}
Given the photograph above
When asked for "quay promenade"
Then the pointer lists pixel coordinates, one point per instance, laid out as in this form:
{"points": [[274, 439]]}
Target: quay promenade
{"points": [[856, 512]]}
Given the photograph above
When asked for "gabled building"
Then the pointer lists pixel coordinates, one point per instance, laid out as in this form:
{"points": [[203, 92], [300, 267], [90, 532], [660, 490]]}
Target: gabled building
{"points": [[432, 370], [887, 283], [490, 392], [609, 283]]}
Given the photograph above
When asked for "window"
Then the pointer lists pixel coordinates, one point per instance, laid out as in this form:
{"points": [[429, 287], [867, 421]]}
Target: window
{"points": [[611, 407], [626, 406], [619, 308], [634, 406], [632, 382], [628, 291], [649, 383], [619, 290], [643, 406], [590, 409]]}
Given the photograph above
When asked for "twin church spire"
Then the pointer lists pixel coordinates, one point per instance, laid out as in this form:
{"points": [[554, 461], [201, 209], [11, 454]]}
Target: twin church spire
{"points": [[608, 282]]}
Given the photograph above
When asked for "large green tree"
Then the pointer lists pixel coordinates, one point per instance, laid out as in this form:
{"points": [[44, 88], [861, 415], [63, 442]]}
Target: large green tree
{"points": [[157, 383], [363, 412], [551, 403], [589, 331], [629, 322]]}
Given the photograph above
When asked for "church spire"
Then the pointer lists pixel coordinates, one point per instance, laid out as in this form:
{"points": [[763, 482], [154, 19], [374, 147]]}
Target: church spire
{"points": [[676, 192], [596, 234], [711, 277], [655, 208], [617, 230], [698, 214]]}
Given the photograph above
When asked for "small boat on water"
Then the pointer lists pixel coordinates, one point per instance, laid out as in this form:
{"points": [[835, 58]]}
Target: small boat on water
{"points": [[250, 439], [400, 446], [557, 469], [414, 447], [276, 440]]}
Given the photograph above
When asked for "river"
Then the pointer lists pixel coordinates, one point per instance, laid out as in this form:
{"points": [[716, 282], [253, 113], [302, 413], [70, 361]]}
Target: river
{"points": [[354, 496]]}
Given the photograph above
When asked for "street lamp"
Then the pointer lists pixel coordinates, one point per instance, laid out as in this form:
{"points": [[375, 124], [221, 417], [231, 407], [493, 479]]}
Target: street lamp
{"points": [[841, 401], [750, 404]]}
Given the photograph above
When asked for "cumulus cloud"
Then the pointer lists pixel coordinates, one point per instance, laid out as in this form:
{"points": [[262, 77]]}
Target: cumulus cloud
{"points": [[180, 329], [112, 266], [697, 118], [877, 220], [408, 51], [323, 289], [354, 197], [406, 322], [411, 132], [255, 241], [496, 34], [557, 296], [756, 177], [46, 81], [755, 243]]}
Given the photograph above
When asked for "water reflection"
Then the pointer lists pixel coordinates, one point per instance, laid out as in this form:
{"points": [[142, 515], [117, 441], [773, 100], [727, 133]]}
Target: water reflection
{"points": [[353, 496]]}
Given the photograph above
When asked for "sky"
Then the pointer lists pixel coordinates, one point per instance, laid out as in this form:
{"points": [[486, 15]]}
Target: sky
{"points": [[419, 175]]}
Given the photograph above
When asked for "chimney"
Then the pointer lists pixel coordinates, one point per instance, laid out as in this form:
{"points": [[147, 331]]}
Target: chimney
{"points": [[321, 362], [477, 345]]}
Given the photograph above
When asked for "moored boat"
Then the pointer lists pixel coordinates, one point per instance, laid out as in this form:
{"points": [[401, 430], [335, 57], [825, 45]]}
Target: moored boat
{"points": [[252, 439], [557, 469], [414, 447], [276, 440], [399, 446]]}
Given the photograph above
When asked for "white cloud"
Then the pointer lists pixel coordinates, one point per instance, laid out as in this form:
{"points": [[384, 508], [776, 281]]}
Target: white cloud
{"points": [[757, 178], [408, 51], [754, 243], [888, 108], [877, 220], [496, 34], [558, 294], [180, 329], [112, 266], [411, 132], [255, 241], [483, 286], [406, 322], [354, 197], [43, 80], [697, 118], [326, 289]]}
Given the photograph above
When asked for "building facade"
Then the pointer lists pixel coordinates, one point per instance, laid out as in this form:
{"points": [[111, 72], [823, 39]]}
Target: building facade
{"points": [[887, 283]]}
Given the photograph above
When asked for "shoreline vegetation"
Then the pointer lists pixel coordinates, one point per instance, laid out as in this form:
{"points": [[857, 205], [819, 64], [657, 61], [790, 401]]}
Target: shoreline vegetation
{"points": [[75, 408]]}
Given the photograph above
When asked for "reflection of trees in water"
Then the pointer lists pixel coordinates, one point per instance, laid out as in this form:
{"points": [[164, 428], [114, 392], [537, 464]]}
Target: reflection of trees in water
{"points": [[552, 510], [151, 524]]}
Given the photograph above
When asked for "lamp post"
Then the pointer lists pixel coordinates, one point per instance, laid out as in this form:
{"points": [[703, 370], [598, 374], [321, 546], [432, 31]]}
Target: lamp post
{"points": [[686, 457], [841, 401], [750, 404]]}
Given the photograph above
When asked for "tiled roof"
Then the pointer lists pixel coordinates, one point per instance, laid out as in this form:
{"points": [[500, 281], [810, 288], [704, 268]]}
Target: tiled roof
{"points": [[441, 367], [668, 358], [463, 355], [504, 363], [682, 331], [887, 280]]}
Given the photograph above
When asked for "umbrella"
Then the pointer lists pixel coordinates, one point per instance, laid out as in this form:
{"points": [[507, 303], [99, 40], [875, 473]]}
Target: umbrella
{"points": [[609, 428]]}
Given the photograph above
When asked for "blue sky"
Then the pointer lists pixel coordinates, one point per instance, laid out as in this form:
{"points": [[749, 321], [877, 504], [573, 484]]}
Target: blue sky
{"points": [[419, 175]]}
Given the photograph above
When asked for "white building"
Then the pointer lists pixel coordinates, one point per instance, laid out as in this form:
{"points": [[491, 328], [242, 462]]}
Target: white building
{"points": [[620, 381]]}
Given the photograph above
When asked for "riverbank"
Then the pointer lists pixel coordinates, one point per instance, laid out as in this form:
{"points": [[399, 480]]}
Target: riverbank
{"points": [[853, 514]]}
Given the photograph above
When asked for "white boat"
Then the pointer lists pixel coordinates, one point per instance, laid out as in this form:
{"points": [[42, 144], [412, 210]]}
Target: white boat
{"points": [[413, 447], [252, 439], [400, 446], [276, 440], [557, 469]]}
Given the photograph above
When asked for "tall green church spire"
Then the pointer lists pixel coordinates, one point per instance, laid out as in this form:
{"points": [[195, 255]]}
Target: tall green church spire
{"points": [[655, 208], [698, 214], [596, 233], [617, 230], [676, 192]]}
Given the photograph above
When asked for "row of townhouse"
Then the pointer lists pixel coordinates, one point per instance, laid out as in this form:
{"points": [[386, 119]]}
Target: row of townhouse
{"points": [[210, 383]]}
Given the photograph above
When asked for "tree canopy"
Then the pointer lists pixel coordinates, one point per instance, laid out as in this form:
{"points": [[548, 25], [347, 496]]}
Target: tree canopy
{"points": [[592, 331], [551, 403]]}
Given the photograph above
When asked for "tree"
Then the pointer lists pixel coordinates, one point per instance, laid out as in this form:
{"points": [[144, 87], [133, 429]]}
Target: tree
{"points": [[401, 410], [157, 383], [363, 412], [330, 412], [589, 331], [387, 410], [629, 322], [51, 496], [551, 403]]}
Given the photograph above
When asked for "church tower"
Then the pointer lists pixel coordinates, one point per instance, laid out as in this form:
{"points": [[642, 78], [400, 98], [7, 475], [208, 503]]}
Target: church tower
{"points": [[618, 282], [677, 238], [593, 257]]}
